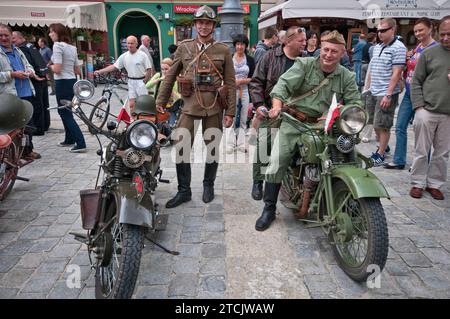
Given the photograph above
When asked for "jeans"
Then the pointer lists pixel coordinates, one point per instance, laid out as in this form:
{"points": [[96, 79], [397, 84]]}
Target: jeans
{"points": [[64, 91], [404, 116], [357, 66]]}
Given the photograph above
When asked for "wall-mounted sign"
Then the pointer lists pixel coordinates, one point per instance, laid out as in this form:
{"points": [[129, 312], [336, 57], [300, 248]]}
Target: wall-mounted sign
{"points": [[185, 8], [37, 14]]}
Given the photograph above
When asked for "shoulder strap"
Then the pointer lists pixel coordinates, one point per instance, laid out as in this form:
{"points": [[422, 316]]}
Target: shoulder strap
{"points": [[314, 90], [197, 57], [214, 67]]}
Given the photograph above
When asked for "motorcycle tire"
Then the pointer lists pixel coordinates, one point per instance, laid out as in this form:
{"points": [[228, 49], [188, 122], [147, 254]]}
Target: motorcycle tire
{"points": [[131, 244], [9, 178], [368, 222], [99, 115]]}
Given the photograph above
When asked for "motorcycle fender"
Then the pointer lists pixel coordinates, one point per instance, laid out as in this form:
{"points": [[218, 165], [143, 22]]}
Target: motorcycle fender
{"points": [[133, 211], [361, 182]]}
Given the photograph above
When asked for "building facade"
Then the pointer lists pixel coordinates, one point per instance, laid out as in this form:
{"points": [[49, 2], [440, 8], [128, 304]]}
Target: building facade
{"points": [[167, 22]]}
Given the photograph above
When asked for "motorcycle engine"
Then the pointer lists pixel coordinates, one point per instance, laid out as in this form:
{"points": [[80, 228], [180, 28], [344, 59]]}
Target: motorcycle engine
{"points": [[133, 158]]}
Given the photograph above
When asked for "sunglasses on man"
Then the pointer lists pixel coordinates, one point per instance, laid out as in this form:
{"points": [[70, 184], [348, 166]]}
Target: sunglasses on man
{"points": [[384, 30], [299, 30]]}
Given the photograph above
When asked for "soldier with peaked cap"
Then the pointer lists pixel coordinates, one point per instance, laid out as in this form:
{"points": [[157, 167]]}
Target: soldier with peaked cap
{"points": [[206, 80], [317, 80]]}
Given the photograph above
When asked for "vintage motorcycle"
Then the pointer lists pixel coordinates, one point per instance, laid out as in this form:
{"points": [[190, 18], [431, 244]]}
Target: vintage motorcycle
{"points": [[120, 210], [328, 185], [14, 114]]}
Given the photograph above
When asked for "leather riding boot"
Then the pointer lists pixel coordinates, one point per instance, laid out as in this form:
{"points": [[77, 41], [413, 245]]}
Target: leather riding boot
{"points": [[184, 193], [270, 197], [208, 181], [257, 190]]}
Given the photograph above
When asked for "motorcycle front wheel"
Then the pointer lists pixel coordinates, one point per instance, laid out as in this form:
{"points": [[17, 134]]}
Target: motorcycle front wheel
{"points": [[360, 240], [8, 173], [123, 249]]}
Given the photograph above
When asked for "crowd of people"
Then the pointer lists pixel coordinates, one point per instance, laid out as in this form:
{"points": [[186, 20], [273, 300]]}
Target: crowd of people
{"points": [[218, 88]]}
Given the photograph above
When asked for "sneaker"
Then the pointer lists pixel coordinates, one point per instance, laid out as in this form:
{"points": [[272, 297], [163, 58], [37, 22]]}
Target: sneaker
{"points": [[64, 144], [392, 165], [377, 159], [365, 140], [77, 149]]}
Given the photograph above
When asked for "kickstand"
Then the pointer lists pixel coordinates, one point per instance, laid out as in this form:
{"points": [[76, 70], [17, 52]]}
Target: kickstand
{"points": [[172, 252]]}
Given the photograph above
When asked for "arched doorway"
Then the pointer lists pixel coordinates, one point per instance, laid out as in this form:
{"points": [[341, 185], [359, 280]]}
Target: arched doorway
{"points": [[137, 23]]}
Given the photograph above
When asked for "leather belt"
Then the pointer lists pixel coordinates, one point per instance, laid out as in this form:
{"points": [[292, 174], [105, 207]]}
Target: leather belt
{"points": [[299, 115], [141, 78]]}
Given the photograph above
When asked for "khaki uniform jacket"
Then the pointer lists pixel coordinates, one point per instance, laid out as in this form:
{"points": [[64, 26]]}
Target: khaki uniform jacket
{"points": [[305, 75], [220, 55]]}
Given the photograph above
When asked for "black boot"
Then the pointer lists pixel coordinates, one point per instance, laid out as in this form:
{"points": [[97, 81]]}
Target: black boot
{"points": [[208, 181], [184, 186], [257, 190], [271, 191]]}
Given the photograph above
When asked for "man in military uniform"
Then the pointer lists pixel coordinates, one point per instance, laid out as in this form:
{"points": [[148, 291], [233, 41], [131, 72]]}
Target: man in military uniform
{"points": [[316, 80], [206, 80]]}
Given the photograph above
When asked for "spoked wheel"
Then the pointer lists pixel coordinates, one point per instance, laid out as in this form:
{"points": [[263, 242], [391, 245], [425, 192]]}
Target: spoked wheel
{"points": [[290, 195], [117, 272], [8, 171], [99, 115], [360, 236]]}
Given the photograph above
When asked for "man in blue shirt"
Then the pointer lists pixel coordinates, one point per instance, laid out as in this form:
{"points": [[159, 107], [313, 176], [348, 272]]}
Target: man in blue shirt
{"points": [[357, 57], [14, 66]]}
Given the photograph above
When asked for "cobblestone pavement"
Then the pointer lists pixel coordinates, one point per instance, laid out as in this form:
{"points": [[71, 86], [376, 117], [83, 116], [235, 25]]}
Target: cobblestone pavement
{"points": [[221, 255]]}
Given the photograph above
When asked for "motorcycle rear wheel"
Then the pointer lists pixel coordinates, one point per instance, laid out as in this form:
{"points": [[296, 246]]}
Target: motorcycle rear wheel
{"points": [[369, 242], [10, 173], [118, 279]]}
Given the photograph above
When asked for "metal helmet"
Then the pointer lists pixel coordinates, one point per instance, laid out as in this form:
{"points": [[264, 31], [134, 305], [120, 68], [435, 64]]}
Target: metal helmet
{"points": [[145, 104], [205, 13], [14, 112]]}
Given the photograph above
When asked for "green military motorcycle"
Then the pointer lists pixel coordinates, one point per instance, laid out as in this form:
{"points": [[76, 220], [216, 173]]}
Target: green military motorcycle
{"points": [[328, 185]]}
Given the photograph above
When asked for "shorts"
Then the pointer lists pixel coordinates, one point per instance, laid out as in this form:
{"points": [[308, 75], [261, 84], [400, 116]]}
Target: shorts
{"points": [[383, 118], [136, 88]]}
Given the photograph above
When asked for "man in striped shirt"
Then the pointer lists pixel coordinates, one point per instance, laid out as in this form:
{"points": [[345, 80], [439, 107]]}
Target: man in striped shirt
{"points": [[386, 67]]}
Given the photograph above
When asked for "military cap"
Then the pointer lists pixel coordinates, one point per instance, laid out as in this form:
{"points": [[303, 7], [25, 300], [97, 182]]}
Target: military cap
{"points": [[333, 37]]}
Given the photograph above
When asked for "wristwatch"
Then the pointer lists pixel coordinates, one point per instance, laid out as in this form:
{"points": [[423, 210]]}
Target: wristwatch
{"points": [[389, 96]]}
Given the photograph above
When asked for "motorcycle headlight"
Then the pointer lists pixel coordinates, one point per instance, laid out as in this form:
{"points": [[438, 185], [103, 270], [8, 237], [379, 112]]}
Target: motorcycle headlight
{"points": [[142, 134], [83, 90], [352, 120]]}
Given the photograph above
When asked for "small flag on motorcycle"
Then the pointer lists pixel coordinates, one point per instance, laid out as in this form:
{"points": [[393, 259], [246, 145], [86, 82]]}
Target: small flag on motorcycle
{"points": [[124, 116], [333, 113]]}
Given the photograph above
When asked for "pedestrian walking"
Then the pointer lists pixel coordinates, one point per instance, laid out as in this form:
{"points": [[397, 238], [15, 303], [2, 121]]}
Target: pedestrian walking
{"points": [[66, 68], [206, 78], [430, 95]]}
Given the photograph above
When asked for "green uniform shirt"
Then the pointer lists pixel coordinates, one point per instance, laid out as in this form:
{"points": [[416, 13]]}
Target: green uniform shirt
{"points": [[305, 75]]}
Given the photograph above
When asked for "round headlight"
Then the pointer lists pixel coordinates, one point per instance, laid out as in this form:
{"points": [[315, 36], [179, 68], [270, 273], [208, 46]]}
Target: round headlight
{"points": [[83, 90], [352, 120], [142, 134]]}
